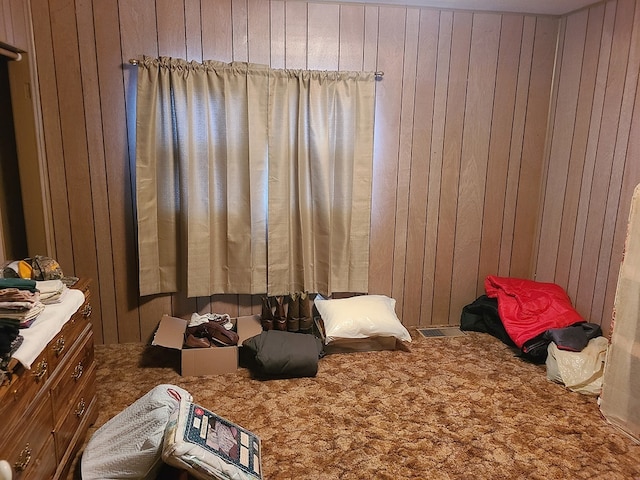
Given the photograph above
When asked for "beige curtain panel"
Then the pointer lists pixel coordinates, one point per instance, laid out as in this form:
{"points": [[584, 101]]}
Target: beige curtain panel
{"points": [[252, 180], [620, 398]]}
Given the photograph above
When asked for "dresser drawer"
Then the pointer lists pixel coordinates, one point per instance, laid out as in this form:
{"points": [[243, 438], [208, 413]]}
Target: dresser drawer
{"points": [[59, 347], [72, 374], [31, 451], [74, 415], [24, 386]]}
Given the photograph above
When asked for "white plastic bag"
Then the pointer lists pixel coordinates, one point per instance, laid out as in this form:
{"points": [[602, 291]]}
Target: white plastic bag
{"points": [[129, 446], [578, 371]]}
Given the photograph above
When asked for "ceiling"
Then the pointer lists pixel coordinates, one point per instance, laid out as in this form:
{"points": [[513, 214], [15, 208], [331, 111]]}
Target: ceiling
{"points": [[549, 7]]}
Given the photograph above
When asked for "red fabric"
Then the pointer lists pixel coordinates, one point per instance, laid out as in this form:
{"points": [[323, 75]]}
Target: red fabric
{"points": [[528, 308]]}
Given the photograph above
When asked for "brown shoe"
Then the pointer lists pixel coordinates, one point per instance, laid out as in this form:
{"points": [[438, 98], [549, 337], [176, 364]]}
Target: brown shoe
{"points": [[195, 342], [220, 335], [305, 305], [293, 324], [293, 308], [198, 331], [306, 325], [279, 308], [280, 324], [267, 314]]}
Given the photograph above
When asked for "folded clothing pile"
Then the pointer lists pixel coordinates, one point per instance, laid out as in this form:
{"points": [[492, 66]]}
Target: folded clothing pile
{"points": [[19, 301], [51, 291]]}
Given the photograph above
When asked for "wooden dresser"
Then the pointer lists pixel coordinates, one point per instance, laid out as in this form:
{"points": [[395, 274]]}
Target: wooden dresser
{"points": [[45, 412]]}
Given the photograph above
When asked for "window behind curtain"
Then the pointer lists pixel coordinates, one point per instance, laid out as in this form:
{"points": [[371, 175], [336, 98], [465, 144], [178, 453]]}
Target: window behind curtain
{"points": [[252, 180]]}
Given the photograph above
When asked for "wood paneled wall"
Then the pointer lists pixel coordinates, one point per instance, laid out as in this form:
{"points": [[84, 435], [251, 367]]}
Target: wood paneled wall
{"points": [[594, 155], [460, 155]]}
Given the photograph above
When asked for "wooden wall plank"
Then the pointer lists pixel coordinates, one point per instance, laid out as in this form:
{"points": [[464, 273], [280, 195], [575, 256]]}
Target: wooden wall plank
{"points": [[627, 40], [445, 36], [19, 24], [630, 173], [240, 34], [104, 310], [51, 123], [499, 147], [216, 21], [371, 15], [6, 26], [529, 191], [324, 34], [351, 35], [258, 32], [277, 22], [385, 158], [296, 30], [121, 208], [407, 120], [481, 81], [588, 171], [517, 138], [579, 144], [170, 25], [456, 99], [193, 25], [66, 58], [419, 174], [604, 153], [569, 73]]}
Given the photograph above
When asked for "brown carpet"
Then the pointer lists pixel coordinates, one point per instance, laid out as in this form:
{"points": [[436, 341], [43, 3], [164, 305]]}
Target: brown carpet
{"points": [[452, 408]]}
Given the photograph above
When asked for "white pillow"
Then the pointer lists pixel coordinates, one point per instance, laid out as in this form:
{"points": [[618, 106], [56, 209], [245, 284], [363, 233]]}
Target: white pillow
{"points": [[362, 316]]}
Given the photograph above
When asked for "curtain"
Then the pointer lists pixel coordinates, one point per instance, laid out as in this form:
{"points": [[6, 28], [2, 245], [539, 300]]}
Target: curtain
{"points": [[620, 398], [320, 151], [252, 180]]}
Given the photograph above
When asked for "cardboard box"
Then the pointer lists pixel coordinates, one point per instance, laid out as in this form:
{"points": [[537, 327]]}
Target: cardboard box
{"points": [[205, 361], [349, 345]]}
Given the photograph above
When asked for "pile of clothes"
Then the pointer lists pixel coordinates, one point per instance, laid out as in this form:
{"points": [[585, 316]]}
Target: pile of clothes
{"points": [[528, 315], [26, 287]]}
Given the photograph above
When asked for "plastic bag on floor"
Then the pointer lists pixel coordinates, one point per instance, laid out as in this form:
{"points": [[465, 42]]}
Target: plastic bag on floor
{"points": [[130, 444], [578, 371]]}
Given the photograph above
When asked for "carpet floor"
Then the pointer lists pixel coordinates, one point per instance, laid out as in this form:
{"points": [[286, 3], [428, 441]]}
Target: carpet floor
{"points": [[451, 408]]}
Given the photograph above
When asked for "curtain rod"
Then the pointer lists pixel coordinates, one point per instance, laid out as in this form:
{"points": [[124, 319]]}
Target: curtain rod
{"points": [[134, 61], [10, 54]]}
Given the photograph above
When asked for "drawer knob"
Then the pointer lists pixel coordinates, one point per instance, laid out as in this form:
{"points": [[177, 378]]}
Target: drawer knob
{"points": [[41, 369], [80, 408], [86, 310], [23, 459], [58, 347], [77, 372]]}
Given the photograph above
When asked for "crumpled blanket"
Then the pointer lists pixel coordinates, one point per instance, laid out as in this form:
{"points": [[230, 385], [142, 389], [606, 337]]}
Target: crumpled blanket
{"points": [[528, 308]]}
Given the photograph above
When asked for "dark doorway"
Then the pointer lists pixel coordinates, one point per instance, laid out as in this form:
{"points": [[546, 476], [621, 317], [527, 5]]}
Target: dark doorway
{"points": [[11, 210]]}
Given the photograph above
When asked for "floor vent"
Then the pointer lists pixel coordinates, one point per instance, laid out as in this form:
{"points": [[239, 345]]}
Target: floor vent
{"points": [[435, 332]]}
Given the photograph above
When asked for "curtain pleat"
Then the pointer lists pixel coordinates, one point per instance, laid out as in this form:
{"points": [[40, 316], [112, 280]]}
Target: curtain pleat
{"points": [[252, 180], [320, 152]]}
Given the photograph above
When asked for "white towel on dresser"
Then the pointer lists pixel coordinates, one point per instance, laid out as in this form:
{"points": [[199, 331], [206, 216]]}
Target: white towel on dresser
{"points": [[46, 326]]}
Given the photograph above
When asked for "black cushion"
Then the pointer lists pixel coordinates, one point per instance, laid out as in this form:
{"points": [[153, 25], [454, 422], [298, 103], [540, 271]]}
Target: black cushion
{"points": [[276, 353]]}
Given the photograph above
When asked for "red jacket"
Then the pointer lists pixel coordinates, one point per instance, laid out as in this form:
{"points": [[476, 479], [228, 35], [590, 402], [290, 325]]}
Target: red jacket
{"points": [[528, 308]]}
